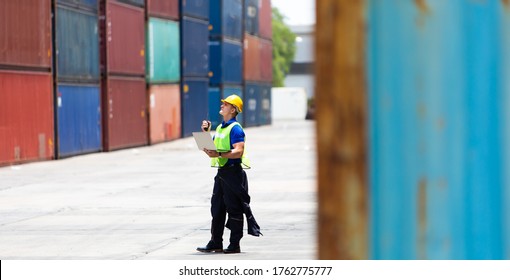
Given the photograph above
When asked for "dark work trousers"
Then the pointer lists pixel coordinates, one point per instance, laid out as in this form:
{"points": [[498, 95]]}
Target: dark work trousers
{"points": [[229, 195]]}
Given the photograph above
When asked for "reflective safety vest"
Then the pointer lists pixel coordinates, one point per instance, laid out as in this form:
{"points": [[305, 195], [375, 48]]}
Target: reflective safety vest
{"points": [[222, 143]]}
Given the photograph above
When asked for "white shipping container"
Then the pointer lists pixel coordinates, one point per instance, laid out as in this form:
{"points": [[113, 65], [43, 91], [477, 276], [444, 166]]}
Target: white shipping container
{"points": [[289, 103]]}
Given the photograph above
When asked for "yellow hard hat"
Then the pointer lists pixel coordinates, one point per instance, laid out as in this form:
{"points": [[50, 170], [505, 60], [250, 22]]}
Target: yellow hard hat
{"points": [[236, 101]]}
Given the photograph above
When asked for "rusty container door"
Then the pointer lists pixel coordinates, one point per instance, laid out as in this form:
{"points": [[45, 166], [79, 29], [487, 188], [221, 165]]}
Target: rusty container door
{"points": [[251, 63], [26, 117], [124, 117], [125, 38], [265, 19], [165, 113], [266, 60], [25, 36], [163, 8]]}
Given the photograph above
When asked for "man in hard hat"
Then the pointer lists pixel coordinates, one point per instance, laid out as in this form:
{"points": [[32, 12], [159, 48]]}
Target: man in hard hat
{"points": [[230, 193]]}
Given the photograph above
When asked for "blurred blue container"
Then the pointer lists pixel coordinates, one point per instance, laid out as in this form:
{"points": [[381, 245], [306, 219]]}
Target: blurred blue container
{"points": [[251, 104], [81, 4], [226, 62], [195, 47], [226, 19], [195, 104], [215, 95], [264, 110], [439, 129], [251, 16], [77, 45], [78, 119], [195, 8]]}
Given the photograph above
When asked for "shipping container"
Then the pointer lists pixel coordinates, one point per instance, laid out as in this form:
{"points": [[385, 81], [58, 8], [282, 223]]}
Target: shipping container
{"points": [[438, 96], [226, 19], [288, 103], [123, 34], [265, 19], [124, 113], [164, 112], [77, 45], [251, 104], [195, 107], [195, 47], [26, 117], [195, 8], [251, 55], [25, 39], [163, 55], [251, 17], [78, 119], [215, 95], [163, 9], [226, 59], [80, 4], [139, 3], [264, 110], [266, 60]]}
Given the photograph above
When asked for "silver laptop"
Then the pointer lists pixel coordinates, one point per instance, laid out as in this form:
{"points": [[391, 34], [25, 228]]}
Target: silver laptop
{"points": [[204, 141]]}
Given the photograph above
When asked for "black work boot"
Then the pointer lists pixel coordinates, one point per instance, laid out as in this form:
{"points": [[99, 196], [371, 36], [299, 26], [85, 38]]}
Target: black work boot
{"points": [[232, 249], [211, 247]]}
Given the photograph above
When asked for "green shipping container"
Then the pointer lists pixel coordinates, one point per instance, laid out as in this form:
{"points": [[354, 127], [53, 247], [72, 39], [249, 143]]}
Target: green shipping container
{"points": [[163, 51]]}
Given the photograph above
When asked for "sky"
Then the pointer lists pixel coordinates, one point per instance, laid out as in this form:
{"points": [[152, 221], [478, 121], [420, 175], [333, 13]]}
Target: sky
{"points": [[298, 12]]}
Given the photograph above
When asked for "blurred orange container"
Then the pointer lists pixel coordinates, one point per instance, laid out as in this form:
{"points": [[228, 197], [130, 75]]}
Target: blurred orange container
{"points": [[251, 58], [165, 113], [163, 8]]}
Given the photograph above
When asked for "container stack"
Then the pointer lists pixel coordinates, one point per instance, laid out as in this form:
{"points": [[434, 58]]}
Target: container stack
{"points": [[122, 53], [194, 64], [226, 54], [163, 70], [258, 56], [78, 106], [26, 81]]}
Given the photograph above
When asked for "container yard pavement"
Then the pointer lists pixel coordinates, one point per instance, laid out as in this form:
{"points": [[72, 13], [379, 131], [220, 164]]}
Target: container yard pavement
{"points": [[153, 202]]}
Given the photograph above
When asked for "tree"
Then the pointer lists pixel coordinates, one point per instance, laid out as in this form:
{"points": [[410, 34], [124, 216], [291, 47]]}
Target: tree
{"points": [[284, 48]]}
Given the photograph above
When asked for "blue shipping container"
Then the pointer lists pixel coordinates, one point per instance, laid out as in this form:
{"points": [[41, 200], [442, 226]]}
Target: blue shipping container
{"points": [[195, 106], [226, 62], [251, 104], [195, 8], [195, 47], [79, 119], [264, 110], [81, 4], [226, 19], [251, 16], [439, 128], [77, 46]]}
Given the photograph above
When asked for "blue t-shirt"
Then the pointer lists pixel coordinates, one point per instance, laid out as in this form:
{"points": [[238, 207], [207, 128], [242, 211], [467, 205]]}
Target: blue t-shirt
{"points": [[236, 136]]}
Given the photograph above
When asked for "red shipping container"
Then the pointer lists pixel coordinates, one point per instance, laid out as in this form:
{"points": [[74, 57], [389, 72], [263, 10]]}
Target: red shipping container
{"points": [[168, 9], [266, 60], [124, 34], [265, 19], [251, 54], [25, 35], [165, 113], [26, 117], [124, 113]]}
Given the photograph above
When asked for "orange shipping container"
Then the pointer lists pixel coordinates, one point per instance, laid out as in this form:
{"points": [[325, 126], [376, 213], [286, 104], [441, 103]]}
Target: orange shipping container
{"points": [[165, 113], [26, 117], [251, 58], [265, 19], [266, 60]]}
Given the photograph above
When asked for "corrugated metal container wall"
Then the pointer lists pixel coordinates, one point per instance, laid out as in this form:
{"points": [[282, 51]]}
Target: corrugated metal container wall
{"points": [[251, 103], [196, 8], [251, 16], [163, 8], [237, 90], [163, 51], [195, 47], [26, 117], [226, 19], [165, 113], [226, 58], [25, 39], [438, 117], [124, 113], [79, 119], [125, 39], [139, 3], [266, 61], [214, 106], [77, 45], [81, 4], [265, 104], [265, 19], [194, 109], [251, 63]]}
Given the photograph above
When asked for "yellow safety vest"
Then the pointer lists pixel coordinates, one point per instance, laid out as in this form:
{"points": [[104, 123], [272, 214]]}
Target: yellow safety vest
{"points": [[222, 143]]}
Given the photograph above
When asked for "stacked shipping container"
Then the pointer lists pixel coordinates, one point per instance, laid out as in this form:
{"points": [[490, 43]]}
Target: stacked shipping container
{"points": [[163, 70], [226, 55], [26, 82], [258, 68], [194, 64]]}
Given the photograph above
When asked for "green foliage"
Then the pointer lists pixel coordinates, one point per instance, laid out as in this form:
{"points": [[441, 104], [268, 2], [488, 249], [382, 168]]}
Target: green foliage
{"points": [[284, 48]]}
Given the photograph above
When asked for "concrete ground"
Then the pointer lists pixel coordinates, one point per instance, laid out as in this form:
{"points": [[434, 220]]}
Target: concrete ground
{"points": [[153, 202]]}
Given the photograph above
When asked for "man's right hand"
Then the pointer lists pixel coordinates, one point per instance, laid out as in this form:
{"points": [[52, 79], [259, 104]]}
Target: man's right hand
{"points": [[206, 125]]}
